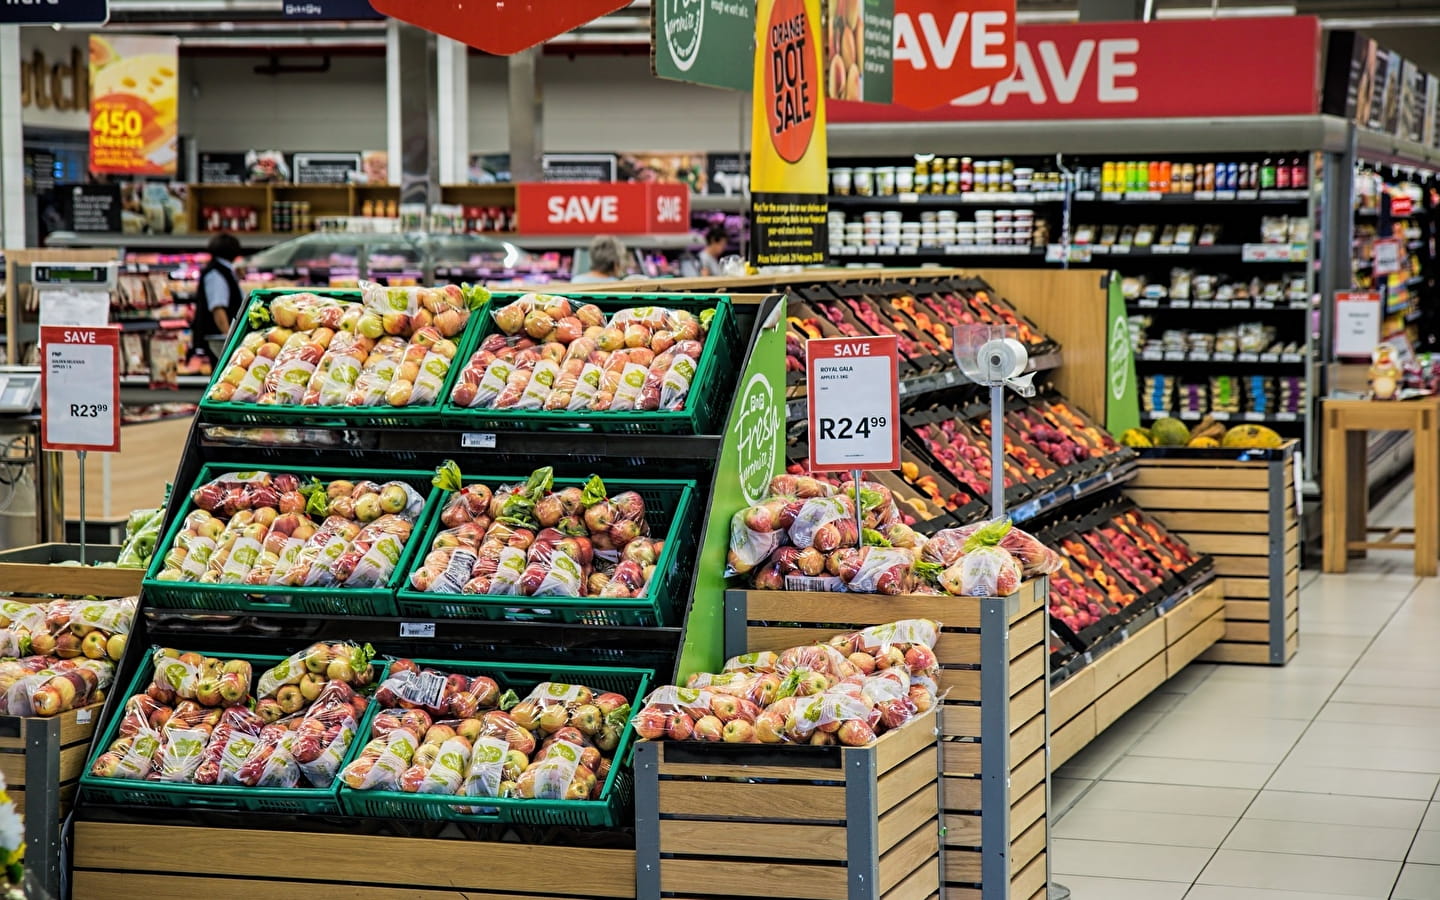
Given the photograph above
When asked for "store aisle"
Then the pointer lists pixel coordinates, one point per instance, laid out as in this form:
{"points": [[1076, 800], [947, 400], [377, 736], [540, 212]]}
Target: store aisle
{"points": [[1317, 781]]}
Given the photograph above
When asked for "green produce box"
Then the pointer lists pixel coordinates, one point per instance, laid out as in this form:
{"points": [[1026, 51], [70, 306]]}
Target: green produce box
{"points": [[339, 600], [132, 792], [519, 677], [671, 512], [704, 405], [268, 414]]}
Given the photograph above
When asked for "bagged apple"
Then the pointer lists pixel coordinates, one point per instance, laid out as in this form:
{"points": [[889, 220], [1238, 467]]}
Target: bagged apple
{"points": [[878, 570], [485, 771], [382, 762], [559, 776], [181, 756], [340, 662], [446, 772]]}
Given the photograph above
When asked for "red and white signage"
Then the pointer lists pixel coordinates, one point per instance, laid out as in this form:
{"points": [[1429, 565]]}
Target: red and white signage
{"points": [[945, 50], [562, 207], [80, 388], [854, 403], [1357, 322], [1143, 70], [1401, 205], [501, 27], [1387, 256]]}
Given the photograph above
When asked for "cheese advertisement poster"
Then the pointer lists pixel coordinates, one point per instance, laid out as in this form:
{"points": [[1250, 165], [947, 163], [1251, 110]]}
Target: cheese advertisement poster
{"points": [[133, 104]]}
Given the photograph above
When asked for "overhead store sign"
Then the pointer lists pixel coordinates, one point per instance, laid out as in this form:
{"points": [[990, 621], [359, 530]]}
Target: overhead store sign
{"points": [[859, 42], [134, 104], [705, 42], [588, 208], [1147, 70], [54, 12], [330, 9], [943, 52], [788, 175], [501, 27]]}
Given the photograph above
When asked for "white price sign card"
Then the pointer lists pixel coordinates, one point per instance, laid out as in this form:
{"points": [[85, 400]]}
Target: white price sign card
{"points": [[80, 388], [1357, 322], [854, 403]]}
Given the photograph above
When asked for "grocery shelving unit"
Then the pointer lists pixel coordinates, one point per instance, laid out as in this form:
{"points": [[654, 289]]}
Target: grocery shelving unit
{"points": [[366, 851]]}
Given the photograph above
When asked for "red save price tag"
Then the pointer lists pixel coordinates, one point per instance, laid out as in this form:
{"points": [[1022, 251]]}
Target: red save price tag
{"points": [[945, 49], [557, 207], [80, 388], [854, 403]]}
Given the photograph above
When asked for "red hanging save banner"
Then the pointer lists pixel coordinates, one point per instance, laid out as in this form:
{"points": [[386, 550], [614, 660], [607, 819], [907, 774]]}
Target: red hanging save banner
{"points": [[501, 27], [945, 50]]}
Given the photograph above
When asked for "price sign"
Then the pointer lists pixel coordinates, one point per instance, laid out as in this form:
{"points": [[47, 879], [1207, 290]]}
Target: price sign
{"points": [[80, 388], [1387, 256], [1357, 322], [854, 403]]}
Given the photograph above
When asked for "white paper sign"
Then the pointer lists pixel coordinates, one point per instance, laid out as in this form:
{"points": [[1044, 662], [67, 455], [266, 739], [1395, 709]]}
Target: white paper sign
{"points": [[80, 388], [854, 403], [1357, 322]]}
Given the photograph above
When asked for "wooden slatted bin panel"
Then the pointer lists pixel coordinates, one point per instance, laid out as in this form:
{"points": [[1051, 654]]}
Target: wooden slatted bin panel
{"points": [[823, 823], [810, 617], [1241, 507], [176, 862]]}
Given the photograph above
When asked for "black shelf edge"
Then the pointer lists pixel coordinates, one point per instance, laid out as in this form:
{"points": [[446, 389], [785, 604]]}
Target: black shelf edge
{"points": [[1286, 196], [1240, 418], [1049, 502], [1229, 305], [1223, 359]]}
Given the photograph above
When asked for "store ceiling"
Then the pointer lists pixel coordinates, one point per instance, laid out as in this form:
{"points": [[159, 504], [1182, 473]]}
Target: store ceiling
{"points": [[1409, 27]]}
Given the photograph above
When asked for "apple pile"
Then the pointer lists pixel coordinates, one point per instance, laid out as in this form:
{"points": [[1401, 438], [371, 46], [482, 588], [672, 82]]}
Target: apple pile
{"points": [[47, 686], [987, 559], [459, 735], [847, 691], [393, 348], [965, 454], [799, 331], [1172, 553], [66, 629], [552, 354], [259, 528], [534, 540], [196, 722]]}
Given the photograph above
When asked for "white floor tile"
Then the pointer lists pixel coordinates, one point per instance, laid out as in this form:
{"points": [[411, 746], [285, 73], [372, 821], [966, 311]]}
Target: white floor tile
{"points": [[1064, 792], [1085, 887], [1315, 875], [1203, 772], [1362, 713], [1426, 848], [1431, 821], [1389, 696], [1216, 892], [1316, 779], [1417, 882], [1141, 797], [1321, 839], [1338, 809], [1127, 826], [1109, 859]]}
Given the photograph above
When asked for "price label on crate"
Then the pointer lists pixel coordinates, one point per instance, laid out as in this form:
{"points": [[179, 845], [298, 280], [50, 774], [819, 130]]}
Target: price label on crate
{"points": [[854, 403], [80, 388]]}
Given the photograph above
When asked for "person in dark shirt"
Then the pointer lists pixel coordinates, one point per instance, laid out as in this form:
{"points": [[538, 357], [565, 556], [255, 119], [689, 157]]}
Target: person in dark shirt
{"points": [[219, 300]]}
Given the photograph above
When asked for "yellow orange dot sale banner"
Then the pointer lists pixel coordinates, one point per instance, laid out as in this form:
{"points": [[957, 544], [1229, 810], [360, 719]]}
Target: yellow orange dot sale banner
{"points": [[133, 104], [788, 176]]}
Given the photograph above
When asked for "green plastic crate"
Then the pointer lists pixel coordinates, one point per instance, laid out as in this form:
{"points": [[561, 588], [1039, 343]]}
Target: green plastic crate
{"points": [[371, 601], [131, 792], [520, 677], [339, 416], [671, 512], [704, 405]]}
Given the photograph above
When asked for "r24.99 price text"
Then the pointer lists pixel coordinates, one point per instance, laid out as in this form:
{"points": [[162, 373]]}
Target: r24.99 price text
{"points": [[846, 428]]}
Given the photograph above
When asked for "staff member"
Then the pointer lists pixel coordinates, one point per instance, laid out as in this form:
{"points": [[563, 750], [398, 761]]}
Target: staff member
{"points": [[219, 300], [607, 261], [717, 240]]}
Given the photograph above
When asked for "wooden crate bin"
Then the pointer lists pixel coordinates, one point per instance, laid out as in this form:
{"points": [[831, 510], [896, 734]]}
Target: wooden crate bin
{"points": [[34, 570], [1241, 507], [178, 862], [995, 684], [42, 759], [824, 823]]}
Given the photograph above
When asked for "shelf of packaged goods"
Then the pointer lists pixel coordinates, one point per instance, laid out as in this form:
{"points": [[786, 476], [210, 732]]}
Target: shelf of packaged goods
{"points": [[1194, 356], [1276, 195], [969, 198], [933, 381], [1208, 305], [913, 251], [1238, 418], [1248, 253]]}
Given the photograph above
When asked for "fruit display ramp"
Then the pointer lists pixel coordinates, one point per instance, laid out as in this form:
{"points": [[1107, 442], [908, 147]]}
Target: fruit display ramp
{"points": [[119, 843]]}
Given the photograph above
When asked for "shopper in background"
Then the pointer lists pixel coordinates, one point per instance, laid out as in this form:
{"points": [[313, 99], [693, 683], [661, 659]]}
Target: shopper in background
{"points": [[607, 261], [717, 240], [219, 299]]}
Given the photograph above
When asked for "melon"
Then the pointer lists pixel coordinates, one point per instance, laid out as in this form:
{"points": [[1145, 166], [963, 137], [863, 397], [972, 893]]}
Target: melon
{"points": [[1251, 437]]}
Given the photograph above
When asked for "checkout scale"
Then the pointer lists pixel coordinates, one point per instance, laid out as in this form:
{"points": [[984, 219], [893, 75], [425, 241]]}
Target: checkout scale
{"points": [[31, 489]]}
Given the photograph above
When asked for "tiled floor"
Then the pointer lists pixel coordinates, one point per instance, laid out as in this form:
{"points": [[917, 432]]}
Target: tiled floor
{"points": [[1317, 781]]}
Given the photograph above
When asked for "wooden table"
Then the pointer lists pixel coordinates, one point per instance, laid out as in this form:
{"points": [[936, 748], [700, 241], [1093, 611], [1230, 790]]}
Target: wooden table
{"points": [[1345, 496]]}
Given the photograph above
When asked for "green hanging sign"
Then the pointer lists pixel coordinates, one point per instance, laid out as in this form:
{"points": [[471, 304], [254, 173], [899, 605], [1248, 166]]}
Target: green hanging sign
{"points": [[707, 42], [752, 454], [1122, 396]]}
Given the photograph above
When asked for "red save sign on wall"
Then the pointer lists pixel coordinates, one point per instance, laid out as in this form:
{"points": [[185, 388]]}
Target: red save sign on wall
{"points": [[945, 50], [1114, 70], [560, 207], [854, 403]]}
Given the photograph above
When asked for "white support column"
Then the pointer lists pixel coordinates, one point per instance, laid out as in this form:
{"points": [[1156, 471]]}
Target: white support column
{"points": [[12, 149], [392, 100], [453, 65]]}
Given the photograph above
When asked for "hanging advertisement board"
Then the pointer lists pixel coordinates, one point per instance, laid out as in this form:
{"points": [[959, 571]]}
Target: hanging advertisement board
{"points": [[134, 105]]}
